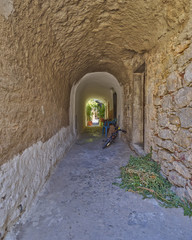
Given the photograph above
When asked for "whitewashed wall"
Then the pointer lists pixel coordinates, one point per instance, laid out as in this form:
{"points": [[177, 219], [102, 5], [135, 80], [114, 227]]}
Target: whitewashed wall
{"points": [[22, 177]]}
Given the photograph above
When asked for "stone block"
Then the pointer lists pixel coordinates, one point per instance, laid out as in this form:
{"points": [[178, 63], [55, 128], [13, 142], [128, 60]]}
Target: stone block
{"points": [[181, 47], [173, 82], [188, 160], [165, 171], [155, 147], [181, 192], [170, 166], [179, 149], [188, 74], [173, 119], [166, 144], [165, 155], [157, 141], [189, 183], [162, 119], [189, 192], [6, 8], [162, 90], [157, 101], [184, 58], [167, 103], [183, 97], [185, 116], [164, 164], [188, 157], [165, 134], [173, 128], [167, 165], [183, 138], [169, 145], [181, 169], [155, 156], [176, 179]]}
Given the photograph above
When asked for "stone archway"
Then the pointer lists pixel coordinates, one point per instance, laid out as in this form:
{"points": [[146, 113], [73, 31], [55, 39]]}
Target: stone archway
{"points": [[96, 85], [95, 118]]}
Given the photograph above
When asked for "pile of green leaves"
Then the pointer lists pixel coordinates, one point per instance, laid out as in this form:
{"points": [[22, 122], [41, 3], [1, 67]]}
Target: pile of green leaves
{"points": [[142, 175]]}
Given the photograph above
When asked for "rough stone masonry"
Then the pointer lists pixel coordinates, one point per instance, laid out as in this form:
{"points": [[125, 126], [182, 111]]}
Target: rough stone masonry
{"points": [[48, 46]]}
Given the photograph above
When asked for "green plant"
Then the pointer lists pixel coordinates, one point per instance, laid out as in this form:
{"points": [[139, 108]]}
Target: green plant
{"points": [[101, 111], [142, 175], [89, 112]]}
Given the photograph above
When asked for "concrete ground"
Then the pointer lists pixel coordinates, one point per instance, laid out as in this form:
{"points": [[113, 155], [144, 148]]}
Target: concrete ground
{"points": [[79, 202]]}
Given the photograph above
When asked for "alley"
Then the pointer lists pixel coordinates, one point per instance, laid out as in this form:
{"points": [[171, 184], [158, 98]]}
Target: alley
{"points": [[80, 202]]}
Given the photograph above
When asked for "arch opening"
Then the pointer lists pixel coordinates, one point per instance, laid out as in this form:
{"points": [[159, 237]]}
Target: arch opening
{"points": [[101, 86], [95, 112]]}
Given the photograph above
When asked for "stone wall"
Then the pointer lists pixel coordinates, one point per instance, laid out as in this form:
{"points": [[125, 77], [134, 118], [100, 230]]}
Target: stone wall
{"points": [[168, 105], [24, 176], [169, 71]]}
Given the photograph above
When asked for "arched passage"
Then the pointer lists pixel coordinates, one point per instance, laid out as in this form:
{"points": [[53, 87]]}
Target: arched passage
{"points": [[101, 85], [95, 108], [47, 47]]}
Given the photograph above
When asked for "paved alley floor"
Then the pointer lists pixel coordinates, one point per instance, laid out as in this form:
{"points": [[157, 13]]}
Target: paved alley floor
{"points": [[80, 202]]}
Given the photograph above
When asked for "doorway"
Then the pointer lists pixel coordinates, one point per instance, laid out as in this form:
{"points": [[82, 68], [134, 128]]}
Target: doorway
{"points": [[114, 105], [139, 107]]}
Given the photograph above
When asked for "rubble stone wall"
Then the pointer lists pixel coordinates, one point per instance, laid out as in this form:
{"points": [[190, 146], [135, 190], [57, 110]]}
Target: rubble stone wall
{"points": [[168, 106], [169, 74]]}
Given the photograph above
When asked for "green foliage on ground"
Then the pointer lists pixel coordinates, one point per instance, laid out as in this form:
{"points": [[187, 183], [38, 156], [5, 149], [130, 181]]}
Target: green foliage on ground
{"points": [[142, 175]]}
